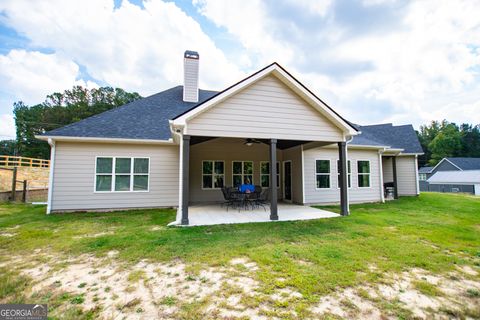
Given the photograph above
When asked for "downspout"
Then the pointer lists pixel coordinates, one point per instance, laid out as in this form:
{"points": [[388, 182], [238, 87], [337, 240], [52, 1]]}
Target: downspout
{"points": [[177, 132], [51, 142], [416, 175]]}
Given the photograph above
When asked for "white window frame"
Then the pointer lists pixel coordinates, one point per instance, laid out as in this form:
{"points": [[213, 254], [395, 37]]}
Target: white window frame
{"points": [[365, 174], [422, 175], [213, 174], [264, 174], [329, 174], [113, 174], [349, 175], [243, 174]]}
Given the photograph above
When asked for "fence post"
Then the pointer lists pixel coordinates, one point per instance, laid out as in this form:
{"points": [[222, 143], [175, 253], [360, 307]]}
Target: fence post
{"points": [[14, 183], [24, 195]]}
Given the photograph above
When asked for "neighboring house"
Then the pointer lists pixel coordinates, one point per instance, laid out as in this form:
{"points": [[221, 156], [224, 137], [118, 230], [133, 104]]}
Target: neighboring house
{"points": [[423, 174], [446, 164], [180, 146], [456, 181]]}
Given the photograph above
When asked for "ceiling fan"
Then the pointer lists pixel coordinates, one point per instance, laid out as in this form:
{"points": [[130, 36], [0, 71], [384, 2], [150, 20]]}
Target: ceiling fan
{"points": [[249, 142]]}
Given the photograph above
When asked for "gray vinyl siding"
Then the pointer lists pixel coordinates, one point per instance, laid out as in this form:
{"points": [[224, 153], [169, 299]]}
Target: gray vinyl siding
{"points": [[227, 150], [74, 177], [424, 186], [445, 166], [407, 178], [266, 109], [387, 169], [451, 188], [332, 195], [295, 155]]}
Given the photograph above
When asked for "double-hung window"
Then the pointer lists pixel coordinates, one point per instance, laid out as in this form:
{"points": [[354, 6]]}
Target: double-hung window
{"points": [[213, 174], [423, 177], [363, 167], [322, 172], [349, 175], [265, 174], [121, 174], [241, 172]]}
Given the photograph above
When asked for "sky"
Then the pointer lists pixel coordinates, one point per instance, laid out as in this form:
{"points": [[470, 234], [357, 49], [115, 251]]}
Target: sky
{"points": [[373, 61]]}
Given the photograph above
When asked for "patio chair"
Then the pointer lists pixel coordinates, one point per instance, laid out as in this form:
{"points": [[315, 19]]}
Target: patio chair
{"points": [[227, 197], [262, 199]]}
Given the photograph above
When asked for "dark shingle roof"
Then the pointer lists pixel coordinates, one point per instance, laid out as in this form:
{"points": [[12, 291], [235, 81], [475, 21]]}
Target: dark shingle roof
{"points": [[398, 137], [466, 163], [146, 118], [425, 170]]}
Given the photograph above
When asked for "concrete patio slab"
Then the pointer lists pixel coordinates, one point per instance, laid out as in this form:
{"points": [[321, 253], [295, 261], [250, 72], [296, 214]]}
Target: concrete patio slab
{"points": [[212, 214]]}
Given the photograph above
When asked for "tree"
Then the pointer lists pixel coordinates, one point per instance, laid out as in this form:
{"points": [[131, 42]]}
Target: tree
{"points": [[447, 143], [8, 147], [425, 136], [60, 109], [470, 140]]}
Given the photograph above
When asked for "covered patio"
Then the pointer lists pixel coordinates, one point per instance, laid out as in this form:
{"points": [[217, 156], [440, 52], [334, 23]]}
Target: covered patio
{"points": [[214, 214]]}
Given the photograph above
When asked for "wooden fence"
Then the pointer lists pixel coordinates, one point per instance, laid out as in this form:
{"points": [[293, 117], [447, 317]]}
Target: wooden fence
{"points": [[13, 161]]}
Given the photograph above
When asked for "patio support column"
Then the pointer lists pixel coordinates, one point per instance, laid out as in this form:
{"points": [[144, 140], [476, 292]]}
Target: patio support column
{"points": [[186, 174], [342, 156], [395, 180], [273, 180]]}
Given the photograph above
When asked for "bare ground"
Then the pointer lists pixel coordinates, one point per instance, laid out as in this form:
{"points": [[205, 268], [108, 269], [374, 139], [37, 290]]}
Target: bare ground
{"points": [[175, 290]]}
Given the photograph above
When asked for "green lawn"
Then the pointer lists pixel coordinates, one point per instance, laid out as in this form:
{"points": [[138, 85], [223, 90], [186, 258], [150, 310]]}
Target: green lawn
{"points": [[434, 232]]}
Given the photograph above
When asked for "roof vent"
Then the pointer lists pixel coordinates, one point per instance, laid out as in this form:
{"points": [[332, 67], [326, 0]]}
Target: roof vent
{"points": [[190, 76]]}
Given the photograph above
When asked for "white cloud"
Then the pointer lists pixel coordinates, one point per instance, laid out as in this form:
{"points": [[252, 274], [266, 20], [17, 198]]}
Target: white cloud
{"points": [[422, 68], [318, 7], [129, 47], [252, 25], [423, 65], [7, 127], [31, 75]]}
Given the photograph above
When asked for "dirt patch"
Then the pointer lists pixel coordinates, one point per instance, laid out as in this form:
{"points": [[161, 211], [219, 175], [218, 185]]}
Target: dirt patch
{"points": [[146, 290], [175, 290], [415, 294]]}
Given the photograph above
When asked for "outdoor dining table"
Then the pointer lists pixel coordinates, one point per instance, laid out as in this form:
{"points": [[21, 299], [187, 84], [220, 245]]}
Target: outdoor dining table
{"points": [[245, 198]]}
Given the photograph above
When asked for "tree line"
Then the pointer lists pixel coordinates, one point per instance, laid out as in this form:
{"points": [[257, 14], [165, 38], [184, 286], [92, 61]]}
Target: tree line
{"points": [[438, 139], [447, 139], [58, 110]]}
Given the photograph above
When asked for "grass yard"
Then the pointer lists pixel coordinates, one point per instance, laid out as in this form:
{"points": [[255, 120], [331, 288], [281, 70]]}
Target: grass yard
{"points": [[415, 257]]}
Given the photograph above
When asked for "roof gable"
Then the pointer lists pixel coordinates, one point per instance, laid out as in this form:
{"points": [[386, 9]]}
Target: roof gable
{"points": [[280, 73], [265, 109]]}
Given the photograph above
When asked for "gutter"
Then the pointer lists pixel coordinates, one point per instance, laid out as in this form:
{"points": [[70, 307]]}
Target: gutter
{"points": [[105, 140]]}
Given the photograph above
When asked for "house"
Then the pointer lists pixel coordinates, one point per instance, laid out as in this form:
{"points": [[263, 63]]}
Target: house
{"points": [[178, 147], [423, 174], [456, 181], [446, 164]]}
